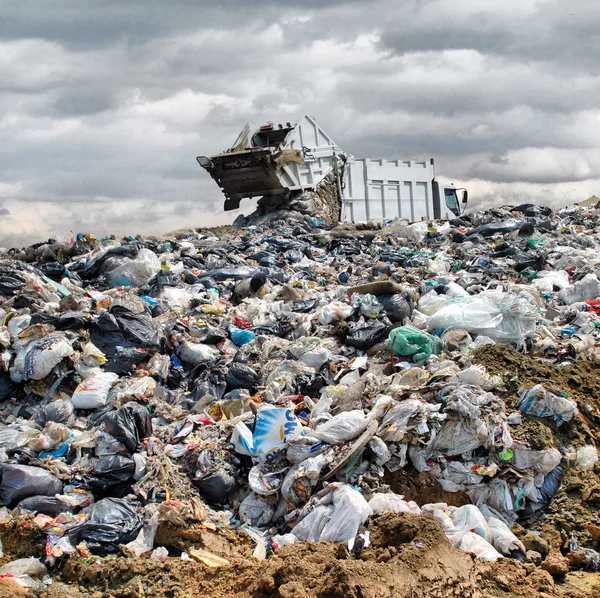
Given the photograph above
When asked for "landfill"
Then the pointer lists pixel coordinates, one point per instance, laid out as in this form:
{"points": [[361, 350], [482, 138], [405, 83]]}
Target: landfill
{"points": [[285, 408]]}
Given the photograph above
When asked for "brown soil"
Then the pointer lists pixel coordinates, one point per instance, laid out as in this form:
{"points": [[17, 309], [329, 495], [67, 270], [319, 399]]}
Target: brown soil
{"points": [[579, 380], [409, 556]]}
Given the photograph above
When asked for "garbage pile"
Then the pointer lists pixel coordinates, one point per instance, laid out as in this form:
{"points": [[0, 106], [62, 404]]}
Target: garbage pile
{"points": [[273, 378]]}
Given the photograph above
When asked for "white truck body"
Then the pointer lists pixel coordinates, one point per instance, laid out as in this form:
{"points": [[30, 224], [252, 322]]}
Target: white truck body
{"points": [[289, 160]]}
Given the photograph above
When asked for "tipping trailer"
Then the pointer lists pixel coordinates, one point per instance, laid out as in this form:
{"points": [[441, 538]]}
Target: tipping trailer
{"points": [[299, 166]]}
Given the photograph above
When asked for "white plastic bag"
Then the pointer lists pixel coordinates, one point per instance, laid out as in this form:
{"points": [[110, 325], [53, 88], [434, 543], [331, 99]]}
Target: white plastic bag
{"points": [[134, 273], [334, 312], [469, 518], [145, 538], [392, 502], [350, 511], [587, 457], [342, 427], [29, 566], [257, 510], [586, 288], [478, 546], [37, 359], [503, 540], [197, 353], [93, 392]]}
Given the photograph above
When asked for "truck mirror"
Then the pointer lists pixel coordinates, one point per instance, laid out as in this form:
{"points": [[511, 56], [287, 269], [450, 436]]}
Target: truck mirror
{"points": [[203, 161], [465, 196]]}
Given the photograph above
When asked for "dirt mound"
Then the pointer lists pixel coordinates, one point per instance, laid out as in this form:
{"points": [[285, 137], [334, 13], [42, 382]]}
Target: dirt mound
{"points": [[408, 556]]}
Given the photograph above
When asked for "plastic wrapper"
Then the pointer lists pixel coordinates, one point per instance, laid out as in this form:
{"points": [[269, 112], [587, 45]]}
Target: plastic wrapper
{"points": [[144, 541], [587, 457], [273, 425]]}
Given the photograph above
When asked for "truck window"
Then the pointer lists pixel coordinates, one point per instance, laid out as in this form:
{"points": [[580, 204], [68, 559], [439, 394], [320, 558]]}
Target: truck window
{"points": [[451, 200]]}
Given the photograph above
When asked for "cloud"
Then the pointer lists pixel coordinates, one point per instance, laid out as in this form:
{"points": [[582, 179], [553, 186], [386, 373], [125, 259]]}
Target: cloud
{"points": [[103, 108]]}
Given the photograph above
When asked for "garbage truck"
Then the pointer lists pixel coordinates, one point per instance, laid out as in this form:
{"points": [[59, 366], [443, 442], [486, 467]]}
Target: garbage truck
{"points": [[300, 167]]}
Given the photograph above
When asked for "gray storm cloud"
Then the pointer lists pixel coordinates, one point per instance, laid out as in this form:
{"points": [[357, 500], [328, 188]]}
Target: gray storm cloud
{"points": [[105, 104]]}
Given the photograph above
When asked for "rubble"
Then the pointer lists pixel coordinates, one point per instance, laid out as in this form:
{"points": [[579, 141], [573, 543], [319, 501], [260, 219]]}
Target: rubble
{"points": [[215, 398]]}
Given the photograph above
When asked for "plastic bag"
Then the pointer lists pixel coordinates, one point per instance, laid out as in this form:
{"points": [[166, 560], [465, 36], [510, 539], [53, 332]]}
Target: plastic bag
{"points": [[273, 425], [334, 312], [540, 402], [39, 358], [398, 307], [241, 375], [547, 281], [478, 546], [503, 317], [22, 481], [129, 424], [111, 470], [112, 521], [469, 518], [134, 273], [411, 342], [395, 503], [587, 457], [342, 427], [503, 540], [582, 290], [300, 448], [145, 538], [216, 485], [30, 566], [93, 392], [342, 519], [257, 510], [364, 336], [197, 353], [240, 336], [316, 358], [48, 505], [60, 411]]}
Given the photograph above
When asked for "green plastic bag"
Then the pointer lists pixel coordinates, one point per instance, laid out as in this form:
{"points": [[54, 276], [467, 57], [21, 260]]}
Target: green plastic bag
{"points": [[411, 342]]}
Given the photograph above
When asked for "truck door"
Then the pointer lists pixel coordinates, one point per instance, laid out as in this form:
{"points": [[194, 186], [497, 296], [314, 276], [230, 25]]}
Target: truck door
{"points": [[452, 202]]}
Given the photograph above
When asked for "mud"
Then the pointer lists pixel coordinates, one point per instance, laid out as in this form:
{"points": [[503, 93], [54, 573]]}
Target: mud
{"points": [[409, 556]]}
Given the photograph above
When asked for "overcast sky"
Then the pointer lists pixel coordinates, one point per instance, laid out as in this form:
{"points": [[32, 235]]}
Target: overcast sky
{"points": [[104, 104]]}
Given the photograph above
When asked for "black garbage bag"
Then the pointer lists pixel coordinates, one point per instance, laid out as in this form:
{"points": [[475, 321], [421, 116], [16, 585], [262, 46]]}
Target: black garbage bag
{"points": [[365, 336], [311, 383], [112, 521], [11, 283], [111, 470], [9, 389], [48, 505], [138, 328], [216, 486], [129, 424], [305, 306], [125, 360], [211, 335], [60, 412], [534, 260], [241, 375], [22, 481], [208, 387], [488, 230], [53, 270], [398, 307]]}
